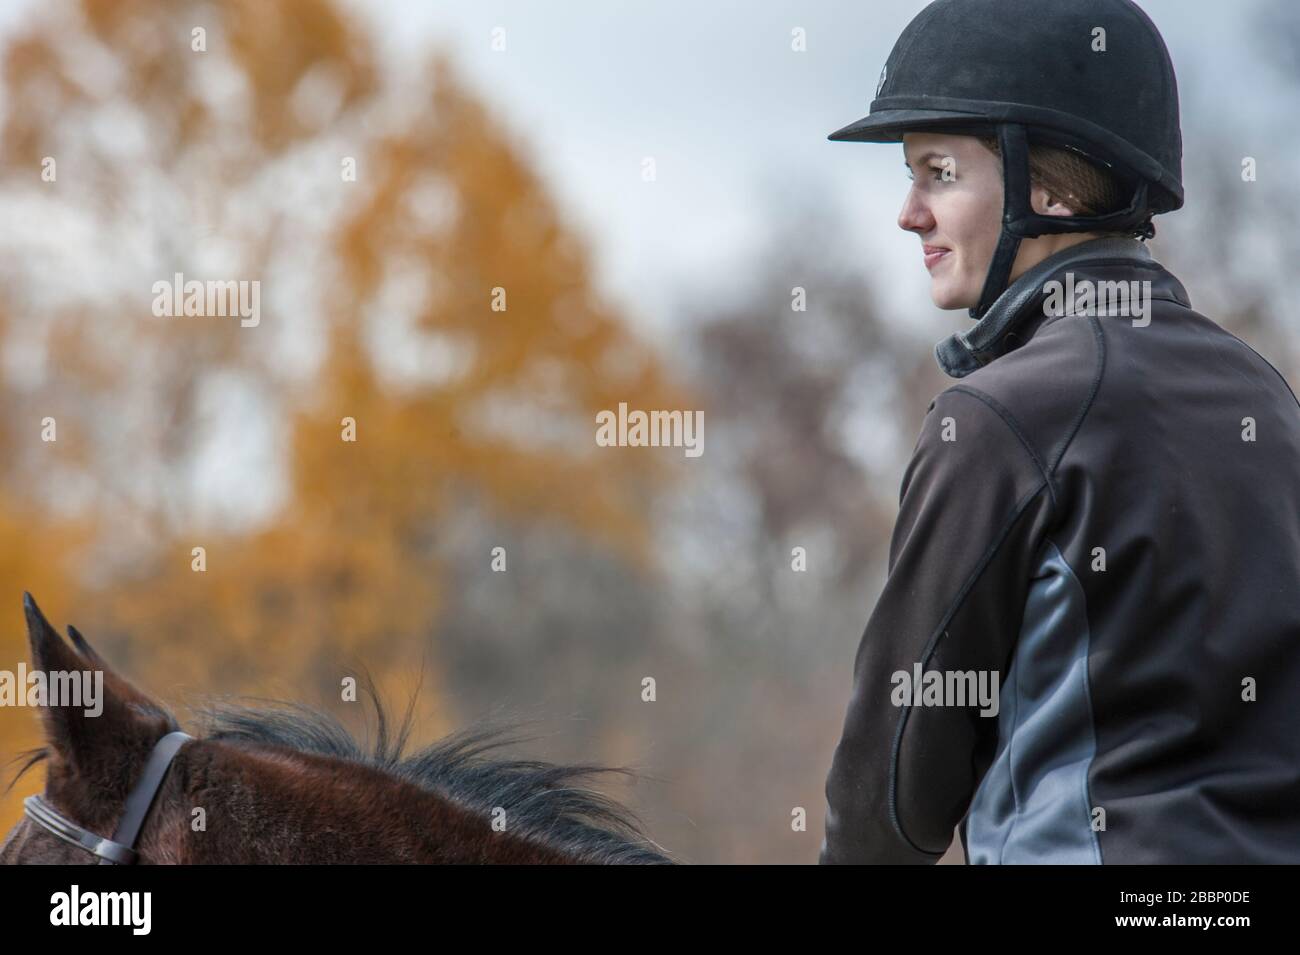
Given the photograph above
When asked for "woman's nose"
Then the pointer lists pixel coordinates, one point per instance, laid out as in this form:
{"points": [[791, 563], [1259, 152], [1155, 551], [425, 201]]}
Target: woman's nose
{"points": [[915, 215]]}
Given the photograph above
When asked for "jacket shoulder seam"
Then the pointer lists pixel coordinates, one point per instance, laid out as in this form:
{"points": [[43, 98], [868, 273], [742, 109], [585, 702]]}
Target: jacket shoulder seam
{"points": [[1100, 336], [1010, 421]]}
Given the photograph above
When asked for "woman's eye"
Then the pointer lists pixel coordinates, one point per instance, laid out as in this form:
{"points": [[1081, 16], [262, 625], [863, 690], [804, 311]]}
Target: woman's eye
{"points": [[935, 171]]}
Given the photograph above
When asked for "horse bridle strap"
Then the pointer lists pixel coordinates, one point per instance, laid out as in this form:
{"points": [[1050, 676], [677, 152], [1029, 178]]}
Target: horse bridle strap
{"points": [[120, 850]]}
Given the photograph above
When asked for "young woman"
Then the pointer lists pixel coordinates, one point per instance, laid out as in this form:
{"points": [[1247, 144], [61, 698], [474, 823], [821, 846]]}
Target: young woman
{"points": [[1087, 648], [955, 206]]}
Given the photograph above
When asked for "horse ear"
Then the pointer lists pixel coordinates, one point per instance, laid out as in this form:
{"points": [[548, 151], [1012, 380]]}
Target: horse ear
{"points": [[85, 649], [49, 652], [109, 713]]}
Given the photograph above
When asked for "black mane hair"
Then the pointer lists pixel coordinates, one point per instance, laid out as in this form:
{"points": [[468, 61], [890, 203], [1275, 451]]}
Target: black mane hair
{"points": [[540, 797]]}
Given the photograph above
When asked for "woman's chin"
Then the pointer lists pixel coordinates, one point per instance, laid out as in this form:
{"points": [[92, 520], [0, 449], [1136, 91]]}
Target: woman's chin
{"points": [[948, 298]]}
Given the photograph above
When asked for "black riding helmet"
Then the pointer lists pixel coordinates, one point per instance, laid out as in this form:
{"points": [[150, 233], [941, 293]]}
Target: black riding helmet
{"points": [[1093, 76]]}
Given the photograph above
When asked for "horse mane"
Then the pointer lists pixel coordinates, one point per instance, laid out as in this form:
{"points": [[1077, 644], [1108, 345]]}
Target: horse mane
{"points": [[539, 797]]}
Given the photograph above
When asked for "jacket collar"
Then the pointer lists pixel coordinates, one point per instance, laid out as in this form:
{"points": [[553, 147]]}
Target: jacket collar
{"points": [[1017, 312]]}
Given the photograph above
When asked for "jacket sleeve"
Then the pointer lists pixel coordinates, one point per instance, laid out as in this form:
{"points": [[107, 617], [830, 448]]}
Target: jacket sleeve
{"points": [[973, 506]]}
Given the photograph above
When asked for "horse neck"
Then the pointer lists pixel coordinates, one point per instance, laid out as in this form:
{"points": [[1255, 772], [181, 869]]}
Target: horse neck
{"points": [[268, 805]]}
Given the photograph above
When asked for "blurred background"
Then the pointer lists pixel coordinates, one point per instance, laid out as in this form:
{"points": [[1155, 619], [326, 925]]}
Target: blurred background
{"points": [[649, 182]]}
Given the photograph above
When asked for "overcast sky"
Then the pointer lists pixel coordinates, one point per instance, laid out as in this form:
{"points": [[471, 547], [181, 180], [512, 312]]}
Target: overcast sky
{"points": [[737, 122]]}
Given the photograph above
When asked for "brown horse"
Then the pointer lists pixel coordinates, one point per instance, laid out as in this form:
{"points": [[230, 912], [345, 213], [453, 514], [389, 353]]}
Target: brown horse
{"points": [[288, 784]]}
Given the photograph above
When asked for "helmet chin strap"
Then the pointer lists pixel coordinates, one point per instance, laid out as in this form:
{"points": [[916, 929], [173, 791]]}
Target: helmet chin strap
{"points": [[1019, 220], [1015, 185]]}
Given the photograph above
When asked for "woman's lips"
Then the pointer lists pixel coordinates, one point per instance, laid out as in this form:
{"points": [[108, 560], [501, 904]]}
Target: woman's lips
{"points": [[933, 254]]}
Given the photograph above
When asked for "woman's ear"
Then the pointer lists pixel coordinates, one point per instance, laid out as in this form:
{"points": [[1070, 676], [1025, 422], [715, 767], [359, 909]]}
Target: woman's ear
{"points": [[1045, 204]]}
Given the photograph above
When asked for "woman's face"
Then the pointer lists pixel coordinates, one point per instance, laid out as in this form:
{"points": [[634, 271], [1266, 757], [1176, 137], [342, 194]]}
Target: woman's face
{"points": [[955, 207]]}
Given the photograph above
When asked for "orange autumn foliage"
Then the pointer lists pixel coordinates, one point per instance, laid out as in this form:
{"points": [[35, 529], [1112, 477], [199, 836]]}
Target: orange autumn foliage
{"points": [[474, 406]]}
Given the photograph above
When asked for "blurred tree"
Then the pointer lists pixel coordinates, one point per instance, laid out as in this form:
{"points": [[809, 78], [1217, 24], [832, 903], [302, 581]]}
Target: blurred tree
{"points": [[378, 295]]}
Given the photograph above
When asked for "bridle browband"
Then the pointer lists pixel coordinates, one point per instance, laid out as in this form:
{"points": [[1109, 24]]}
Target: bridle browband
{"points": [[120, 850]]}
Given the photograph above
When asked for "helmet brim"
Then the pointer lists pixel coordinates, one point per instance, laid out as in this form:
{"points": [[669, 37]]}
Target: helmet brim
{"points": [[889, 125]]}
